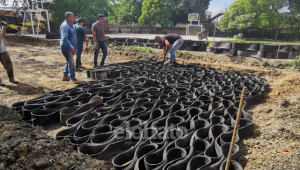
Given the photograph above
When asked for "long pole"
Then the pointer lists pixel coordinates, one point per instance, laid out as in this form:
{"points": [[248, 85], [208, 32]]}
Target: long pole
{"points": [[23, 22], [237, 121], [275, 62], [215, 30]]}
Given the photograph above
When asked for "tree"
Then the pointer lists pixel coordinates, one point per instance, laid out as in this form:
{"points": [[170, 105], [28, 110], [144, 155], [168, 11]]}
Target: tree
{"points": [[81, 8], [156, 12], [183, 7], [253, 14], [274, 6], [126, 11], [229, 20]]}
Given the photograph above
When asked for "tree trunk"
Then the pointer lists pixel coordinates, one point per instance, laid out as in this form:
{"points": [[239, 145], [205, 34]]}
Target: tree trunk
{"points": [[277, 31], [262, 33]]}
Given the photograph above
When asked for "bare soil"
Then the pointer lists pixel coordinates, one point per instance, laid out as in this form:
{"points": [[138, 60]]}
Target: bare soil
{"points": [[39, 64]]}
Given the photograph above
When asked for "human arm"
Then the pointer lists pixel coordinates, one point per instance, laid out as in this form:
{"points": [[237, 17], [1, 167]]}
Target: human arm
{"points": [[65, 39], [3, 31], [85, 39], [94, 37], [84, 36], [167, 46], [104, 35]]}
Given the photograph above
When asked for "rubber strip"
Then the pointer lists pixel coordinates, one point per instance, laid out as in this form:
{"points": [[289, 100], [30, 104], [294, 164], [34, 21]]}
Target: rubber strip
{"points": [[274, 47], [222, 45], [281, 55], [246, 46], [149, 115]]}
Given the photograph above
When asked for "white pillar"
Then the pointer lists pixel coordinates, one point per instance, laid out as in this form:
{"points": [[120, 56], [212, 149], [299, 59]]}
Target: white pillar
{"points": [[32, 23], [23, 22], [38, 27]]}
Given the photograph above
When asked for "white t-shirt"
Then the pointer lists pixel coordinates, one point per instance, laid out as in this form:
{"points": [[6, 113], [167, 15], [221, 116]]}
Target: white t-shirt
{"points": [[2, 46]]}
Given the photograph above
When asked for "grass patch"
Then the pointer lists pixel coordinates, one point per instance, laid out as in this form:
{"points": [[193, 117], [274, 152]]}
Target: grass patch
{"points": [[141, 49], [297, 61], [184, 52], [209, 44], [288, 64]]}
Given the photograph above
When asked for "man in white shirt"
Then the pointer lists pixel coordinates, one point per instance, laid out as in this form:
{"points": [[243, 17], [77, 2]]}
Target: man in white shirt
{"points": [[4, 56]]}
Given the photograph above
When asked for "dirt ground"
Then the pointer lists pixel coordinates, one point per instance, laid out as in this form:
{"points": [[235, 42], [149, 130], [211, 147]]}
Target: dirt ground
{"points": [[39, 65]]}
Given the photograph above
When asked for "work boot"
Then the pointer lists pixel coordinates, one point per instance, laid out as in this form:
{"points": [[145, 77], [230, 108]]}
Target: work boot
{"points": [[75, 81], [10, 75], [1, 84], [78, 69], [66, 78]]}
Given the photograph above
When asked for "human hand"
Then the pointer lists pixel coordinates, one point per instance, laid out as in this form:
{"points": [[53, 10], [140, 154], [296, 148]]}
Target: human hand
{"points": [[73, 51]]}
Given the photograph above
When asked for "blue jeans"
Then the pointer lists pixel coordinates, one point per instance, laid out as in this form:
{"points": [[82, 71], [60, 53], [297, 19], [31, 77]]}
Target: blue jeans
{"points": [[70, 65], [173, 49], [78, 56], [102, 45]]}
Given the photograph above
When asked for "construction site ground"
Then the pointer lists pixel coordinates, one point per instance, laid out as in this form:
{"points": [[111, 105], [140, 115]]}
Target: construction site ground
{"points": [[38, 66]]}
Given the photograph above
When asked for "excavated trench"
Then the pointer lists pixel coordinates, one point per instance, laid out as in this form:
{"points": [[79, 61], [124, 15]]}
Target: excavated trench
{"points": [[152, 115]]}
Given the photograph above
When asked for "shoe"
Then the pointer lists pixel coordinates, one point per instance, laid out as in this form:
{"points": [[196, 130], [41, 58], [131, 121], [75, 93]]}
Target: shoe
{"points": [[78, 69], [1, 84], [66, 78], [10, 75], [75, 81]]}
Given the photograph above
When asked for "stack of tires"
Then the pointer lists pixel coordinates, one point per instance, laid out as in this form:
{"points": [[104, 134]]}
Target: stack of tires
{"points": [[255, 50], [285, 51], [222, 48], [188, 45], [248, 50]]}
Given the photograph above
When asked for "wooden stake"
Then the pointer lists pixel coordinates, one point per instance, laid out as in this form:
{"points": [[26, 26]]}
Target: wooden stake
{"points": [[236, 126], [275, 63]]}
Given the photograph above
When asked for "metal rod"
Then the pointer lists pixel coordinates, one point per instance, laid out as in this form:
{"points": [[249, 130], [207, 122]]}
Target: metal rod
{"points": [[237, 121]]}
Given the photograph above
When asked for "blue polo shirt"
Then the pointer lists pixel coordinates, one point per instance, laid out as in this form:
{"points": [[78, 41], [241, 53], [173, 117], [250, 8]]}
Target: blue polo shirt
{"points": [[80, 33], [68, 37]]}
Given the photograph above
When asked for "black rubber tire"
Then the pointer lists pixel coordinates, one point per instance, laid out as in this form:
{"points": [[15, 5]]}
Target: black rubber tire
{"points": [[246, 46], [244, 53], [274, 47], [281, 55]]}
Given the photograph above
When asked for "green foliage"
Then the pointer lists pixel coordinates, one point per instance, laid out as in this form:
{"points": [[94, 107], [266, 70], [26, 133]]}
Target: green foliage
{"points": [[156, 12], [287, 64], [250, 14], [125, 11], [184, 7], [184, 52], [297, 61], [140, 49], [81, 8]]}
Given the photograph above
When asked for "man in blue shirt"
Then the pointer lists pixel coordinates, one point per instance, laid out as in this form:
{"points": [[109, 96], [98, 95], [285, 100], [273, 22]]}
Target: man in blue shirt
{"points": [[68, 46], [80, 36]]}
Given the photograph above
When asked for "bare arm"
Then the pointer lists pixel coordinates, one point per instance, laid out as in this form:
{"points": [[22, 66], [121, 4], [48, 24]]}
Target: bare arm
{"points": [[94, 36], [167, 45], [104, 35], [164, 51], [85, 40], [3, 31]]}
